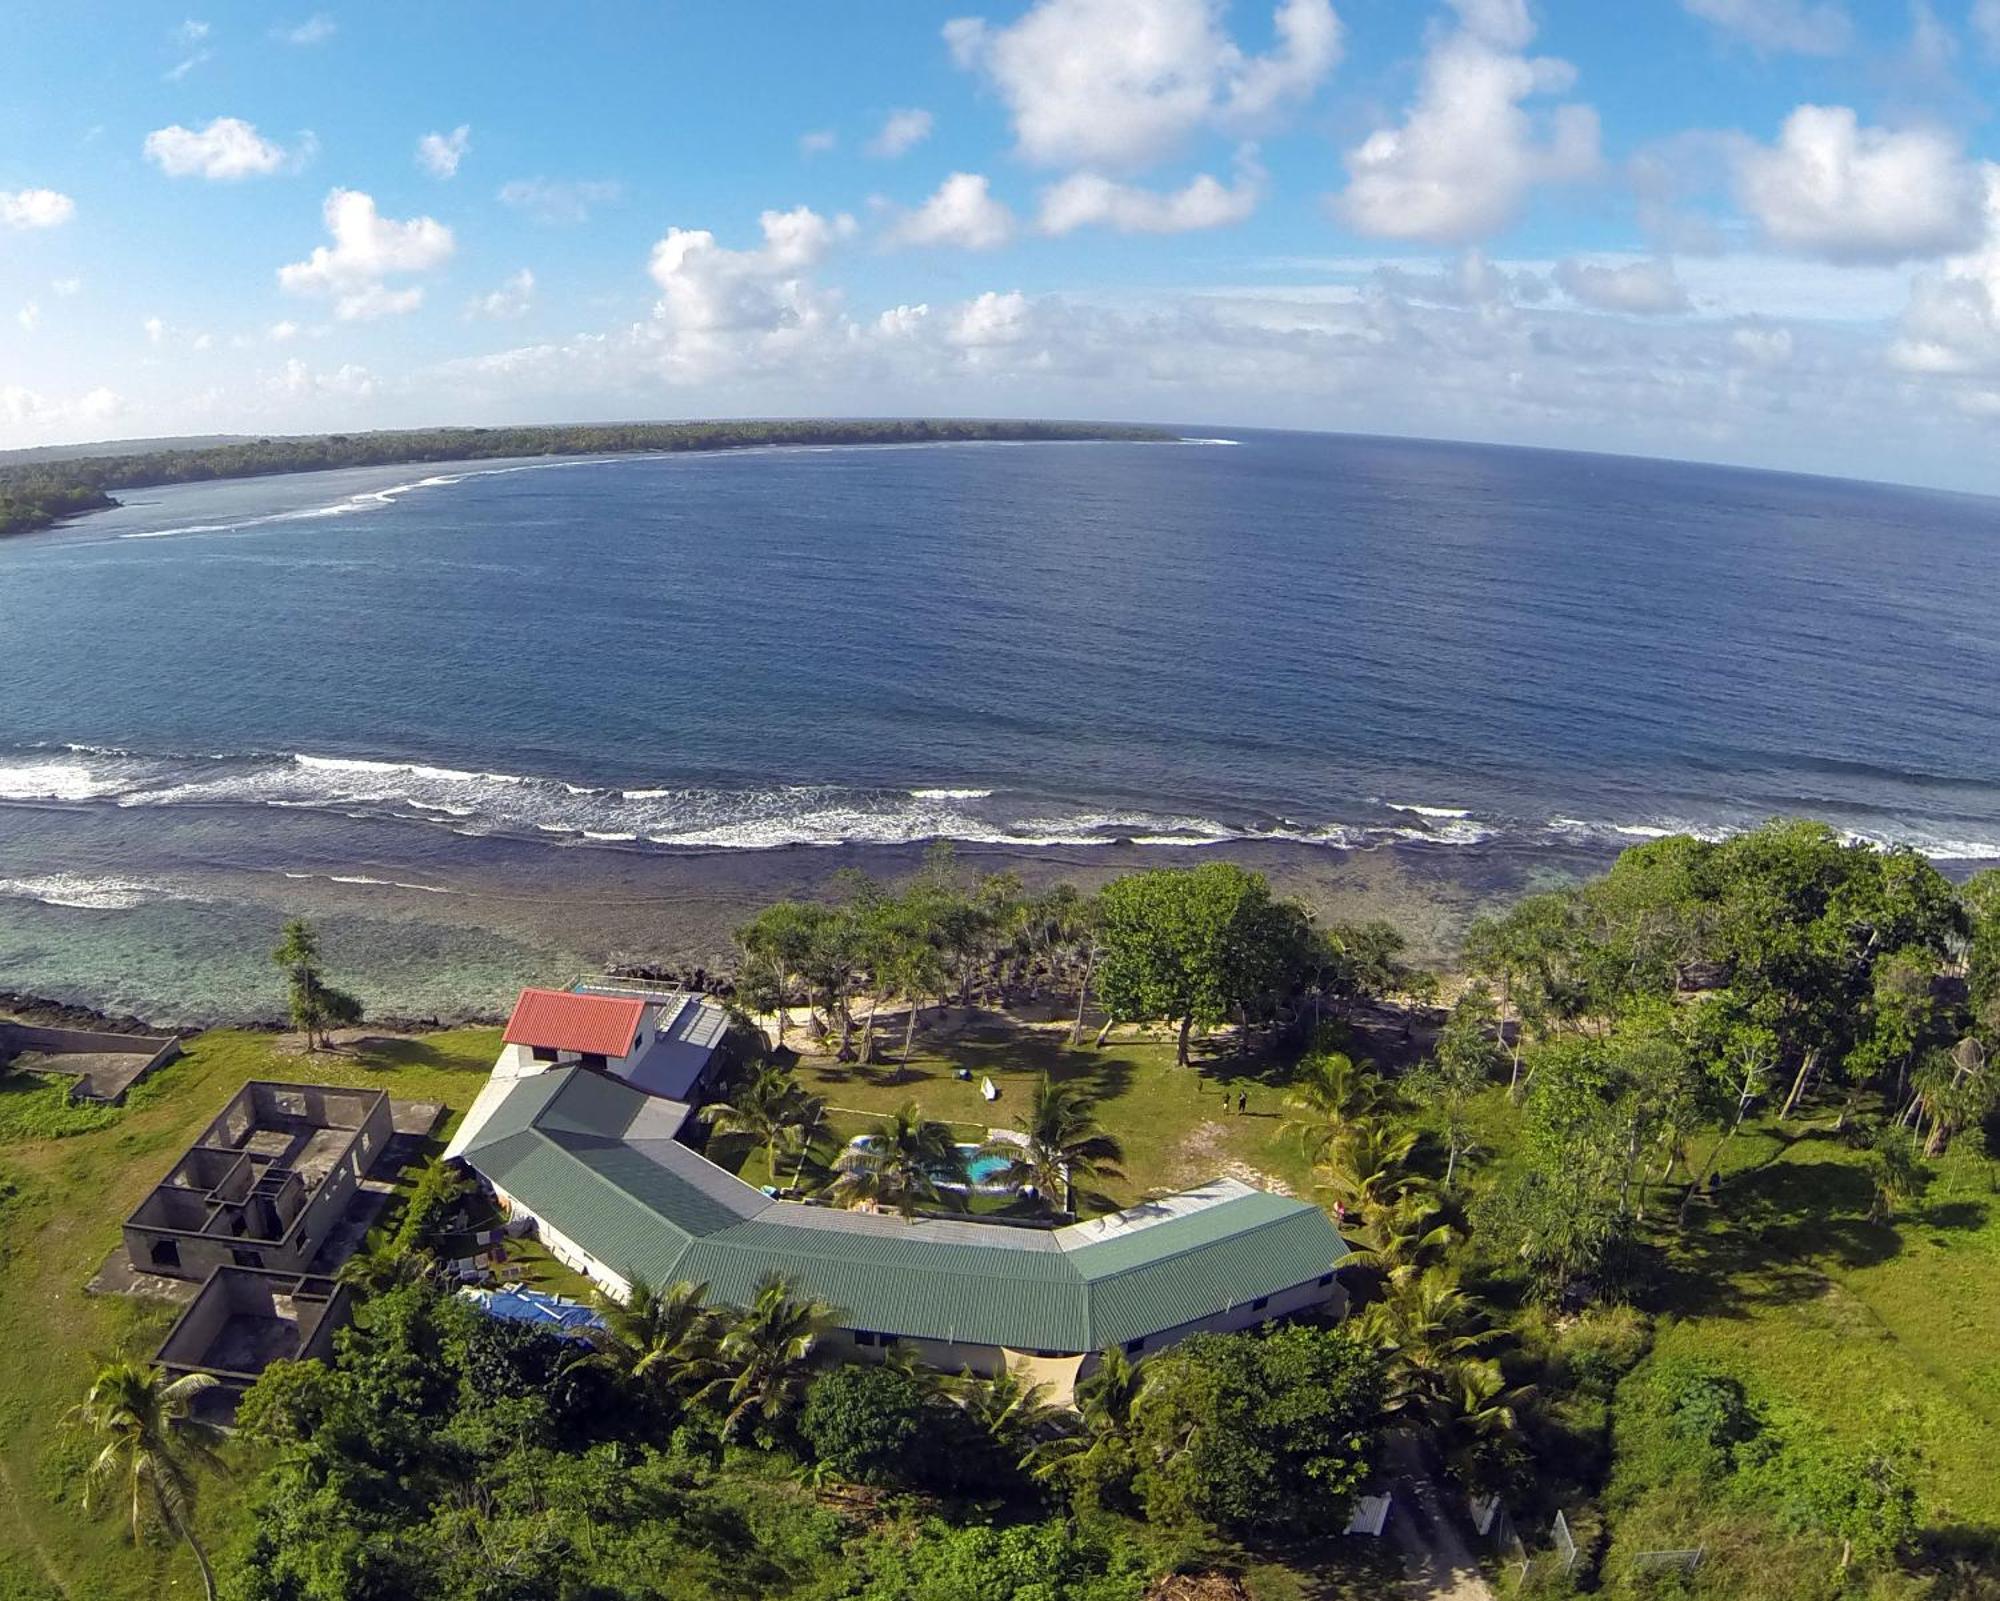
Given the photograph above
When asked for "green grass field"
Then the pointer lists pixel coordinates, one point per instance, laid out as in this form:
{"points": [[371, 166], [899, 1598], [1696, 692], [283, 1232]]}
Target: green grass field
{"points": [[1874, 1331], [1178, 1127], [61, 1203], [1866, 1329]]}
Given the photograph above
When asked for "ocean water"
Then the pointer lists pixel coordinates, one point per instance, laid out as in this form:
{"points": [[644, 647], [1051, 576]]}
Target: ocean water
{"points": [[1330, 643]]}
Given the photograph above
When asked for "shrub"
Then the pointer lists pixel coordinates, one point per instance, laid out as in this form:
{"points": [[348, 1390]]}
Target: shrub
{"points": [[1053, 1561], [1247, 1432], [865, 1423]]}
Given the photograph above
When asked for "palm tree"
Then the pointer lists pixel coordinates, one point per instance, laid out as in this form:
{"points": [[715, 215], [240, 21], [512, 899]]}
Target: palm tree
{"points": [[153, 1447], [1328, 1094], [768, 1355], [1099, 1450], [1477, 1412], [904, 1161], [772, 1109], [1428, 1327], [1064, 1143], [1367, 1167], [660, 1341], [1404, 1238], [381, 1264], [1015, 1415]]}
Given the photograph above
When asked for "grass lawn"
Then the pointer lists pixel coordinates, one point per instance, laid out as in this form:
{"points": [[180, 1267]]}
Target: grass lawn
{"points": [[1874, 1331], [1179, 1125], [61, 1203]]}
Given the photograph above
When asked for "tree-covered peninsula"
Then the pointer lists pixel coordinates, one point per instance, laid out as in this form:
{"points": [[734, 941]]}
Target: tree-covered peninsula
{"points": [[37, 494]]}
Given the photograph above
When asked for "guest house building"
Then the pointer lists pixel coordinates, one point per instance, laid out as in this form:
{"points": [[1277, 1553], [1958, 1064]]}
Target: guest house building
{"points": [[569, 1133]]}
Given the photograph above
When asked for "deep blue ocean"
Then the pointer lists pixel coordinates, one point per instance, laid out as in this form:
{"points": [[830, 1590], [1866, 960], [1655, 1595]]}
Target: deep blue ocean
{"points": [[1338, 641], [1330, 638]]}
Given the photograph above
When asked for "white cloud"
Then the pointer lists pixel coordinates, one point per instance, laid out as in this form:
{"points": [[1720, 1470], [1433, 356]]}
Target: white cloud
{"points": [[316, 29], [1832, 188], [1117, 84], [1762, 346], [901, 132], [227, 149], [1473, 282], [512, 299], [817, 141], [156, 330], [556, 202], [902, 322], [991, 319], [1804, 27], [66, 288], [296, 380], [29, 317], [440, 153], [1952, 324], [367, 248], [1468, 152], [1469, 347], [1087, 199], [710, 295], [35, 208], [963, 213], [282, 333], [25, 408], [189, 37], [1636, 288]]}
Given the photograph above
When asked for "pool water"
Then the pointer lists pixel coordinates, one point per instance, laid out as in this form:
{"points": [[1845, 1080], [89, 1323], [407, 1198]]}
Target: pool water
{"points": [[982, 1169]]}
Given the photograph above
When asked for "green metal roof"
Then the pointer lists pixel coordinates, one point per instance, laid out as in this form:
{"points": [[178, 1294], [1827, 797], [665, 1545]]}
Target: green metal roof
{"points": [[583, 1152]]}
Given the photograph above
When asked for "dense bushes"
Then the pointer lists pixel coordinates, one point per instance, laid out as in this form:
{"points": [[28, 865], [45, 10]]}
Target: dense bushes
{"points": [[1250, 1435], [446, 1454], [1700, 1457]]}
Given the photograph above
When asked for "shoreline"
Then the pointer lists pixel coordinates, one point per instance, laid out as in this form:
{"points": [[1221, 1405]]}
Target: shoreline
{"points": [[169, 914], [434, 927], [53, 492]]}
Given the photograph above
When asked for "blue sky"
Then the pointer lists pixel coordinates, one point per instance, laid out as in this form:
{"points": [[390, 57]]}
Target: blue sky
{"points": [[1747, 230]]}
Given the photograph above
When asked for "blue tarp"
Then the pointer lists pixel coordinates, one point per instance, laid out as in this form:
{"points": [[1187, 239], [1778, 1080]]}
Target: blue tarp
{"points": [[534, 1306]]}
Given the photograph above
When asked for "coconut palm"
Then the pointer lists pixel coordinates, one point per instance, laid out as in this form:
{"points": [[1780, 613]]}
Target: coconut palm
{"points": [[1476, 1415], [1367, 1167], [1428, 1326], [1326, 1097], [1015, 1415], [772, 1109], [768, 1355], [1402, 1239], [1062, 1145], [904, 1162], [660, 1341], [1100, 1450], [153, 1448], [381, 1264]]}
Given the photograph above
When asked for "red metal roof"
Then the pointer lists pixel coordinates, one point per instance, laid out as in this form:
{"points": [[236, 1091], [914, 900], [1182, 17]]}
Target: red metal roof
{"points": [[601, 1025]]}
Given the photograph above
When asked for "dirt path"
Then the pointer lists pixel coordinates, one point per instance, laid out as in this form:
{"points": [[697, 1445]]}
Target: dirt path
{"points": [[1437, 1563]]}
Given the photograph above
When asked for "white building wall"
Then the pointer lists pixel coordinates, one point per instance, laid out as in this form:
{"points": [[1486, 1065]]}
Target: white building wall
{"points": [[567, 1251]]}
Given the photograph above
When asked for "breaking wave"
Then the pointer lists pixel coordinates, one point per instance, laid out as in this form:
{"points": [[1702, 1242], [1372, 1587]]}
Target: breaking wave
{"points": [[479, 802], [80, 891]]}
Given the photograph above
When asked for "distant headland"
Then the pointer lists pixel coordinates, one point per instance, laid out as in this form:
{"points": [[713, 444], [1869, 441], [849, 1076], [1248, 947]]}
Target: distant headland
{"points": [[37, 494]]}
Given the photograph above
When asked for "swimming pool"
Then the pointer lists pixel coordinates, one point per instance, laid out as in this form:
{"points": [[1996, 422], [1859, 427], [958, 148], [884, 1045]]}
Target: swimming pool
{"points": [[982, 1170]]}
